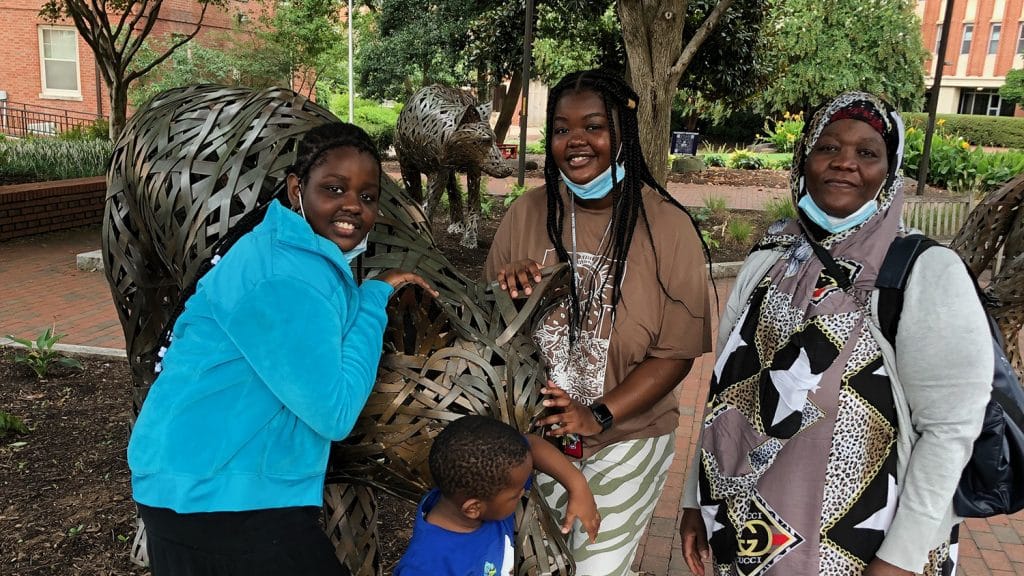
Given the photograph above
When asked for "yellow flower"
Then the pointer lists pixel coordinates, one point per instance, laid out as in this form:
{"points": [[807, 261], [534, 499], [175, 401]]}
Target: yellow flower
{"points": [[911, 130], [940, 122], [964, 144]]}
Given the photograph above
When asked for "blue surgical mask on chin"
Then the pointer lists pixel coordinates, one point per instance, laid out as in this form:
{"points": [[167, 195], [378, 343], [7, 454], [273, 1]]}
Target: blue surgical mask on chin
{"points": [[357, 249], [599, 187], [833, 224]]}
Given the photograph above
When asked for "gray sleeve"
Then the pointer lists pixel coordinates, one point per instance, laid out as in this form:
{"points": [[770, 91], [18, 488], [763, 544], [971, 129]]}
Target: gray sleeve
{"points": [[944, 360]]}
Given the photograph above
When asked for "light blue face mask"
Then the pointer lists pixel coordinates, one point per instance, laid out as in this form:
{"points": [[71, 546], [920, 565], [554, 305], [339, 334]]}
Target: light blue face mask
{"points": [[833, 224], [357, 249], [597, 188]]}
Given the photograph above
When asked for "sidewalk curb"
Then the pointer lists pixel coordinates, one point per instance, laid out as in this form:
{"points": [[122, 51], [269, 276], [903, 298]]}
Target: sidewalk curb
{"points": [[76, 350], [725, 269]]}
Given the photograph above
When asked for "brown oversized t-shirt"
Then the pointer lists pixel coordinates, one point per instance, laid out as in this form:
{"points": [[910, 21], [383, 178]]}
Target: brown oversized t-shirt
{"points": [[667, 319]]}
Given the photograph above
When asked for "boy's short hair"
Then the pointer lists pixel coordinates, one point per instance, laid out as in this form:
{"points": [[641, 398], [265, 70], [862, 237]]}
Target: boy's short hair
{"points": [[473, 456]]}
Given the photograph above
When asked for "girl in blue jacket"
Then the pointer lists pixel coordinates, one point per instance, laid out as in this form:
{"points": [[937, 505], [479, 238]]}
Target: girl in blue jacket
{"points": [[271, 359]]}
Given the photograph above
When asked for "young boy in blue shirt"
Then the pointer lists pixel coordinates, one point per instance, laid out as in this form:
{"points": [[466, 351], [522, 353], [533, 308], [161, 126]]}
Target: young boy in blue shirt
{"points": [[482, 466]]}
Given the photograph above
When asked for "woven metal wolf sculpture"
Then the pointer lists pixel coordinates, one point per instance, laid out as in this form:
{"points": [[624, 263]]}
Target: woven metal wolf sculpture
{"points": [[996, 225], [189, 165], [442, 131]]}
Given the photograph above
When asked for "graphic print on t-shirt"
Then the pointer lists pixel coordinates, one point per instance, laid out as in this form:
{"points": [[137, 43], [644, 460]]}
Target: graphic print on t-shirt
{"points": [[581, 374]]}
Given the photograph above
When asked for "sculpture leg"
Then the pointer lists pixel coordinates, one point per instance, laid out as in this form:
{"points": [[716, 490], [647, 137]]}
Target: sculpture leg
{"points": [[350, 519], [472, 222], [436, 184], [413, 184], [143, 290], [456, 214]]}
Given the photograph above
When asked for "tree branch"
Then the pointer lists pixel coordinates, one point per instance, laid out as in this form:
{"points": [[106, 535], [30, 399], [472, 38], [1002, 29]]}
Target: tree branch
{"points": [[124, 18], [694, 44], [156, 62], [132, 43]]}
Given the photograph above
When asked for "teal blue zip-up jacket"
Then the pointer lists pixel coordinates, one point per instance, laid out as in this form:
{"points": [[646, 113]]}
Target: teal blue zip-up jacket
{"points": [[273, 357]]}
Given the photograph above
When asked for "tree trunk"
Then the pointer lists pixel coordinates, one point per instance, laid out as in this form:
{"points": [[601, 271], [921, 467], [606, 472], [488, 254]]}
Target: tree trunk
{"points": [[652, 32], [118, 107], [508, 107]]}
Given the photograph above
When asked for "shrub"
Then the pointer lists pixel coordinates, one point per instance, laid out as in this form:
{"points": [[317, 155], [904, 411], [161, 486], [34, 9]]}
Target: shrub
{"points": [[99, 129], [1002, 131], [955, 165], [716, 160], [514, 194], [739, 230], [745, 160], [41, 356], [53, 159], [783, 134], [779, 208], [781, 164], [714, 204], [486, 203], [379, 121], [534, 147], [709, 240]]}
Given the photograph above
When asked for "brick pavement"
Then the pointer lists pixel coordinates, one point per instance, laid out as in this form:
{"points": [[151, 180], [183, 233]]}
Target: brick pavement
{"points": [[39, 285], [742, 197]]}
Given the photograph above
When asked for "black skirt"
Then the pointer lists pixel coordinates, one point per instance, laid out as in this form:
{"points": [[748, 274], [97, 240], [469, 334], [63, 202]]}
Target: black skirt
{"points": [[271, 542]]}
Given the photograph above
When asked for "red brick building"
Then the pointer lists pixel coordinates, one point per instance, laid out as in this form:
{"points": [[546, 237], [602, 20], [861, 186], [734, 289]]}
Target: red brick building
{"points": [[47, 65], [986, 40]]}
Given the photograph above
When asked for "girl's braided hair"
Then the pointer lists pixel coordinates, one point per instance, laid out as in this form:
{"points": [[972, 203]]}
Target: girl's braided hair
{"points": [[628, 206], [311, 152], [317, 142]]}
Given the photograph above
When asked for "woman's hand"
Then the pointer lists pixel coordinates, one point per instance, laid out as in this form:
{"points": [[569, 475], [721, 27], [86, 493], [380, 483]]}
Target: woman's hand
{"points": [[695, 540], [519, 275], [400, 278], [879, 567], [570, 416], [582, 505]]}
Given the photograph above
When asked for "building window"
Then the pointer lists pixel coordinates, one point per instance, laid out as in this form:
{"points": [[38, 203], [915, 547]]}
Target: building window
{"points": [[984, 103], [58, 61], [965, 45], [938, 38], [993, 38], [1020, 39]]}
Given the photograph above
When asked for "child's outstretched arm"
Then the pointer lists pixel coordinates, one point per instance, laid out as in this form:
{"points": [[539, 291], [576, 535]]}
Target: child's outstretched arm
{"points": [[549, 460]]}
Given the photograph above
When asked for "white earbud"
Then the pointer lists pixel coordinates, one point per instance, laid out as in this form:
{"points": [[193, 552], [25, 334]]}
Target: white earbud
{"points": [[301, 209]]}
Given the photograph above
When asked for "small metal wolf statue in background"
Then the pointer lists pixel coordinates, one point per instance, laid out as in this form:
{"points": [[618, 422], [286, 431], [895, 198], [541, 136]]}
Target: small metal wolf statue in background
{"points": [[442, 131]]}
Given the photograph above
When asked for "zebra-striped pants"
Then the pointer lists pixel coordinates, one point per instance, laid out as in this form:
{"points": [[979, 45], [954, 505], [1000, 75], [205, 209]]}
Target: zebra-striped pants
{"points": [[626, 478]]}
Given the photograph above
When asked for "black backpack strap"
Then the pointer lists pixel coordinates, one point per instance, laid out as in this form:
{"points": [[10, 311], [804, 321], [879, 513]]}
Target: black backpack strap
{"points": [[892, 279]]}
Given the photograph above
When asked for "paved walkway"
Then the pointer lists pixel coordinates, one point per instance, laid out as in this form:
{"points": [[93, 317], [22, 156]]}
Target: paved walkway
{"points": [[741, 197], [39, 286]]}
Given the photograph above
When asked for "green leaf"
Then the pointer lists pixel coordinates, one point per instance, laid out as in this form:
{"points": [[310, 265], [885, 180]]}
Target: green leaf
{"points": [[69, 362], [22, 341], [10, 423]]}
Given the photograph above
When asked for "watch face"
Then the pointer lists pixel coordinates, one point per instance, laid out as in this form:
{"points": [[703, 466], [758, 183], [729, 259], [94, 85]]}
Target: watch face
{"points": [[603, 416]]}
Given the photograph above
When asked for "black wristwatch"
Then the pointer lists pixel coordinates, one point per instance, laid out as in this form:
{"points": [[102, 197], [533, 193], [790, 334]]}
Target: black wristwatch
{"points": [[602, 414]]}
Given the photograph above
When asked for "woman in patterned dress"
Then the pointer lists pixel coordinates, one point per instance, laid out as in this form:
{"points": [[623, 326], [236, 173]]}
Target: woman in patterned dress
{"points": [[807, 463]]}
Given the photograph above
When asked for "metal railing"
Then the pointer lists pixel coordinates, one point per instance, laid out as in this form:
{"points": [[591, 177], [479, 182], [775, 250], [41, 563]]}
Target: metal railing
{"points": [[21, 120]]}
